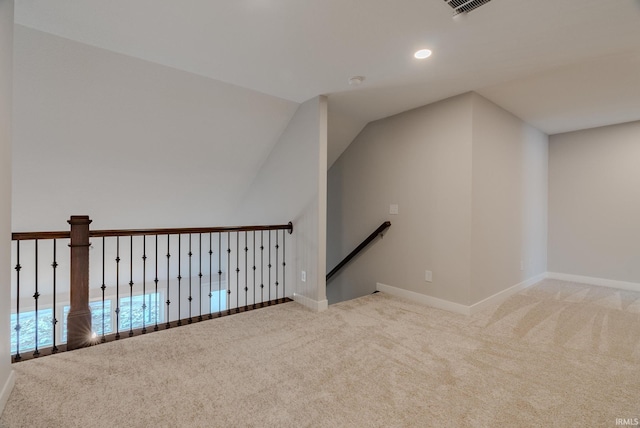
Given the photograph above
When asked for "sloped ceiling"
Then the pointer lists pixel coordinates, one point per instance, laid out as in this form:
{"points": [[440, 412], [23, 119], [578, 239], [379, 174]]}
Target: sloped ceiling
{"points": [[558, 64], [141, 144]]}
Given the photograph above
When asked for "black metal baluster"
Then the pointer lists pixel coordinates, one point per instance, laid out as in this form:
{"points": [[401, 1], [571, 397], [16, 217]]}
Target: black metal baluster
{"points": [[168, 324], [284, 265], [54, 321], [210, 272], [144, 283], [190, 288], [36, 296], [131, 286], [277, 252], [200, 275], [117, 287], [219, 273], [246, 265], [269, 266], [237, 272], [18, 357], [261, 267], [155, 327], [179, 277], [103, 287], [254, 269], [228, 276]]}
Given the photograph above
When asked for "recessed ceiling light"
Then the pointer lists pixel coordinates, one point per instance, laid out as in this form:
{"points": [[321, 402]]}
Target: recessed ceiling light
{"points": [[422, 54]]}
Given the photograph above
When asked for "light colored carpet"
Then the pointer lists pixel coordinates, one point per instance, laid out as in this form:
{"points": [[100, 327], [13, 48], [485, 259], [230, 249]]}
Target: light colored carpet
{"points": [[556, 355]]}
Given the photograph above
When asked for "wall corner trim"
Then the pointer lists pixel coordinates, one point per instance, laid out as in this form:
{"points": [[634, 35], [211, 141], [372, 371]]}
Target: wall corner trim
{"points": [[457, 307], [314, 305], [602, 282], [434, 302], [6, 390], [504, 294]]}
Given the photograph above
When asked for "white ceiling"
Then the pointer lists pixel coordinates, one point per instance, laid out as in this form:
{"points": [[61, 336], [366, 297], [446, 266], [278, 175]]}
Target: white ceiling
{"points": [[560, 65]]}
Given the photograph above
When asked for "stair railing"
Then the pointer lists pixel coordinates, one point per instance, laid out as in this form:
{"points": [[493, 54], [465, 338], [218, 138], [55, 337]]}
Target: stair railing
{"points": [[379, 231], [140, 280]]}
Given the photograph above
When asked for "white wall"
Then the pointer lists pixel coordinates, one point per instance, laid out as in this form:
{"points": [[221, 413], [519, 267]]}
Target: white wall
{"points": [[342, 129], [128, 142], [509, 203], [594, 203], [292, 185], [470, 180], [420, 160], [6, 70]]}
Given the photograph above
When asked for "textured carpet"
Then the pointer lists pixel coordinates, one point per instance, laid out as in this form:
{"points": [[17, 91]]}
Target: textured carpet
{"points": [[556, 355]]}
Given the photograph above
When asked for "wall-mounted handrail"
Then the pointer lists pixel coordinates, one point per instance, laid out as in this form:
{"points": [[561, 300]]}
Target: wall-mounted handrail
{"points": [[359, 248]]}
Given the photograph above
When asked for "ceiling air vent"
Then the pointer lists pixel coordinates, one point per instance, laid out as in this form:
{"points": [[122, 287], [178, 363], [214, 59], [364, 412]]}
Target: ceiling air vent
{"points": [[464, 6]]}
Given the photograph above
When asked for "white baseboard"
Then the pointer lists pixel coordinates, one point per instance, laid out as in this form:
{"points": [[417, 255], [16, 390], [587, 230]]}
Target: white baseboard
{"points": [[434, 302], [603, 282], [457, 307], [6, 390], [314, 305], [504, 294]]}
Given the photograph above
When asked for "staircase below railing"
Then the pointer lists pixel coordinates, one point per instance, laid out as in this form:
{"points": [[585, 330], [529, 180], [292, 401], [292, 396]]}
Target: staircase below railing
{"points": [[363, 244], [140, 280]]}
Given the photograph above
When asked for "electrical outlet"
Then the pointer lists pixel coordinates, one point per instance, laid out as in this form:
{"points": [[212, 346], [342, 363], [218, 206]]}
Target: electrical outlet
{"points": [[393, 209], [428, 276], [303, 276]]}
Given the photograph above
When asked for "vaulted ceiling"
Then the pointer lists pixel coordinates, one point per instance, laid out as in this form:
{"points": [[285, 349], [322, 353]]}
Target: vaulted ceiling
{"points": [[560, 65]]}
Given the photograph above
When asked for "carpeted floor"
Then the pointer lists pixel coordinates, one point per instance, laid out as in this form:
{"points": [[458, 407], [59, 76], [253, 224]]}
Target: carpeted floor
{"points": [[556, 355]]}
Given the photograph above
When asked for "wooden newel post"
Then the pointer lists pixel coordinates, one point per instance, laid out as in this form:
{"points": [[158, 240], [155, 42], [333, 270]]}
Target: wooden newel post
{"points": [[79, 318]]}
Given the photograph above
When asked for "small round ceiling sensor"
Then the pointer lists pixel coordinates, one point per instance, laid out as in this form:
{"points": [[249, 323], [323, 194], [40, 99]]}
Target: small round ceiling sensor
{"points": [[356, 80]]}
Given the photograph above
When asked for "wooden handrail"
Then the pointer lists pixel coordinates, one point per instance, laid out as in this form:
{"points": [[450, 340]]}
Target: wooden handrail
{"points": [[359, 248], [187, 230], [24, 236]]}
